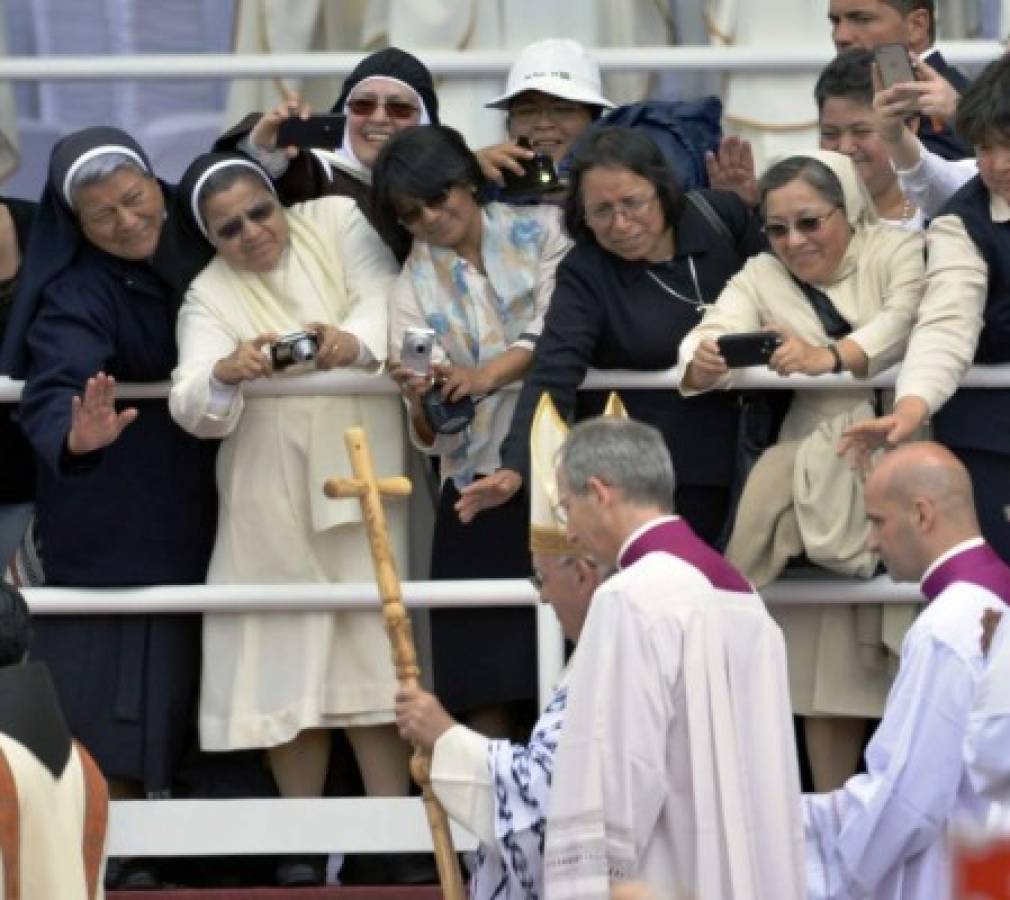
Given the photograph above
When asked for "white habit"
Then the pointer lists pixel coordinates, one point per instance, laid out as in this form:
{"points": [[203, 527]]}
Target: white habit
{"points": [[268, 676], [883, 835], [677, 763]]}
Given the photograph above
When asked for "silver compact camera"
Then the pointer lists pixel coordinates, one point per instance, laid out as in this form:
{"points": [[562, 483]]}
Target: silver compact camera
{"points": [[296, 349]]}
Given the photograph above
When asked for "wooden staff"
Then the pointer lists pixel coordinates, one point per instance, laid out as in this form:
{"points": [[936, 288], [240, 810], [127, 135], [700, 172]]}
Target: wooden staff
{"points": [[370, 491]]}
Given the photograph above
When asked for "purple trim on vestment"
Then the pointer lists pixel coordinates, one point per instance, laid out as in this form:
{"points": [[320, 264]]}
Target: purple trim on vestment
{"points": [[976, 565], [675, 537]]}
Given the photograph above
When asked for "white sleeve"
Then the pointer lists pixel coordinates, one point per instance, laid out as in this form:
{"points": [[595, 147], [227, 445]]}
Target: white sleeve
{"points": [[193, 402], [859, 836], [462, 782], [931, 182], [949, 321], [884, 337]]}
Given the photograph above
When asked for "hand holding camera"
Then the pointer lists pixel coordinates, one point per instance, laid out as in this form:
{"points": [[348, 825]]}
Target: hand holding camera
{"points": [[247, 361]]}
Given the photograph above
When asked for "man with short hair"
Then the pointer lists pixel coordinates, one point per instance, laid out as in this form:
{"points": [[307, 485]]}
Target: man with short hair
{"points": [[882, 836], [912, 23], [54, 799], [676, 764]]}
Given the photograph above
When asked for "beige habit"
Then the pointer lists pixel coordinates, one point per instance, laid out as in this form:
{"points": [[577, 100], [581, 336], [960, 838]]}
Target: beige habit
{"points": [[267, 676], [801, 497]]}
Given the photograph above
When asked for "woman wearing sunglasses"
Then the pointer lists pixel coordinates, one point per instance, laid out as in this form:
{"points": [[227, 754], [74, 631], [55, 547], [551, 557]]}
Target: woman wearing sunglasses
{"points": [[480, 275], [387, 91], [842, 289], [282, 680]]}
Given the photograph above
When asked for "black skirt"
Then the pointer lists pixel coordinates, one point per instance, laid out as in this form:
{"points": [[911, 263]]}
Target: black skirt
{"points": [[128, 686], [482, 657]]}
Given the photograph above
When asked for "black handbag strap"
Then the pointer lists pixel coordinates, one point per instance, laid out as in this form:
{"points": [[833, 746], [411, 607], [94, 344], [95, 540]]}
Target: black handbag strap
{"points": [[833, 321], [700, 202]]}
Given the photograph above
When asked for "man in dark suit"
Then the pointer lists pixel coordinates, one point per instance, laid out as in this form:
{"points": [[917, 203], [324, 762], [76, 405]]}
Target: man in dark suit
{"points": [[870, 23]]}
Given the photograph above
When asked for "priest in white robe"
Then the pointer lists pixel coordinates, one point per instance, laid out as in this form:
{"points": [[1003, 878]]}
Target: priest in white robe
{"points": [[987, 749], [676, 765], [883, 835], [499, 790]]}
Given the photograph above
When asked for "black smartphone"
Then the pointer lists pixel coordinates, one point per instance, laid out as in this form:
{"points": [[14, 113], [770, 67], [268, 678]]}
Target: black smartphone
{"points": [[894, 64], [539, 175], [324, 131], [749, 348]]}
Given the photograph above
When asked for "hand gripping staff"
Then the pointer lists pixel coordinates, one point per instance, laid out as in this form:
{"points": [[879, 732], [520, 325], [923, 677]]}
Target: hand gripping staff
{"points": [[370, 491]]}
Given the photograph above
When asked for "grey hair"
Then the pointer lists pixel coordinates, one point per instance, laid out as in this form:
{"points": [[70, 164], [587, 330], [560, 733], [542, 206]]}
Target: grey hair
{"points": [[806, 169], [628, 455], [97, 169]]}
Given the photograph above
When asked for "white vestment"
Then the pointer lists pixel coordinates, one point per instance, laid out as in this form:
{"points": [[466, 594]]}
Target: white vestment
{"points": [[883, 835], [500, 792], [987, 749], [51, 819], [677, 763]]}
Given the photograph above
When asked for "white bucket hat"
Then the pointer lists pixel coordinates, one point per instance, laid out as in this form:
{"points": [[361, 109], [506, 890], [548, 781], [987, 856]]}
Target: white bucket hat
{"points": [[559, 67]]}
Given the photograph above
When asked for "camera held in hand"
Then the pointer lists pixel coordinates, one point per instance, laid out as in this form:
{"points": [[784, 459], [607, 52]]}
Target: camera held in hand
{"points": [[447, 416], [297, 350], [539, 174]]}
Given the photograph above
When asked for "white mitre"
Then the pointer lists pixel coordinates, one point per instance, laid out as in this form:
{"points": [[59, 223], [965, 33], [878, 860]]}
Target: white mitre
{"points": [[547, 434]]}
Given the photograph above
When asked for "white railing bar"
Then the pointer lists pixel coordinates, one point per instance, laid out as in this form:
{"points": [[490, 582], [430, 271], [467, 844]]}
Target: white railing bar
{"points": [[331, 383], [238, 598], [247, 827], [767, 58]]}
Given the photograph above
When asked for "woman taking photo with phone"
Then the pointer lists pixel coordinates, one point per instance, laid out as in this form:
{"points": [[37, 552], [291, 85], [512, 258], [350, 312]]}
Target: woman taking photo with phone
{"points": [[842, 290], [480, 276]]}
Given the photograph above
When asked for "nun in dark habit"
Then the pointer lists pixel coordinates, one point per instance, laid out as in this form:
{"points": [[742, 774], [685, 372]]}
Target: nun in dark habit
{"points": [[124, 496]]}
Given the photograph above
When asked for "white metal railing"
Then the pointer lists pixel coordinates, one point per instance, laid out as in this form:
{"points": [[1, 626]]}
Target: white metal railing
{"points": [[227, 827], [343, 382], [786, 57]]}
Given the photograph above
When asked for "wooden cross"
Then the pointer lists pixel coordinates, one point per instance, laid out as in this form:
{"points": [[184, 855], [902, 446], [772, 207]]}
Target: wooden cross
{"points": [[370, 490]]}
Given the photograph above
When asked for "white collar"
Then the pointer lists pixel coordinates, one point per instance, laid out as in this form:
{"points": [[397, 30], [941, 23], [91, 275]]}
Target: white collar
{"points": [[638, 532], [969, 544]]}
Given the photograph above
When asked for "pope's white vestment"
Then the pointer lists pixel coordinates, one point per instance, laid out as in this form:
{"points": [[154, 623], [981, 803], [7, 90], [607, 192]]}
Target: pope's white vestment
{"points": [[676, 764], [883, 835]]}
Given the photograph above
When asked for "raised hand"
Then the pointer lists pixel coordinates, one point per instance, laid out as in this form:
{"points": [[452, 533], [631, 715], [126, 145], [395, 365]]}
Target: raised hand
{"points": [[94, 420], [500, 158], [264, 132], [732, 169]]}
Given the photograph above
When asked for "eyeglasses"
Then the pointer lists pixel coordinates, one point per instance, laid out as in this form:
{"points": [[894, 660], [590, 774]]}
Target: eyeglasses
{"points": [[395, 109], [232, 228], [559, 113], [805, 225], [408, 218], [630, 207]]}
